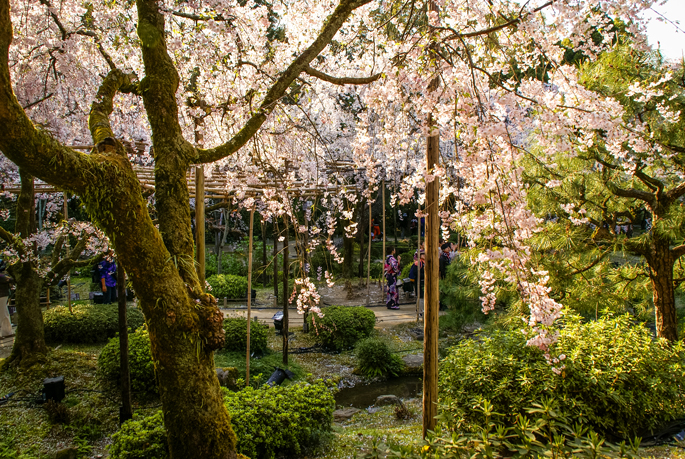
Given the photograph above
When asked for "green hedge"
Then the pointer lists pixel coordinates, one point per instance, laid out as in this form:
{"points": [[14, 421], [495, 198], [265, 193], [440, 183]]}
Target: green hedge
{"points": [[228, 286], [342, 326], [267, 421], [89, 323], [616, 379], [140, 362], [236, 335]]}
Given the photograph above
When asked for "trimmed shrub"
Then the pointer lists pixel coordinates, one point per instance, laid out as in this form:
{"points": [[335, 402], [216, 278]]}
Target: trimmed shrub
{"points": [[228, 286], [267, 421], [140, 438], [342, 326], [611, 377], [88, 324], [374, 359], [236, 335], [140, 362]]}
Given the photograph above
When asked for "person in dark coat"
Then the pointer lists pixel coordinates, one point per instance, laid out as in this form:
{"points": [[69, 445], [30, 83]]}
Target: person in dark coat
{"points": [[108, 280]]}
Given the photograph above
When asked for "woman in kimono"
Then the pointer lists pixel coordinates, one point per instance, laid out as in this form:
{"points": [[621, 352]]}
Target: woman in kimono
{"points": [[392, 270]]}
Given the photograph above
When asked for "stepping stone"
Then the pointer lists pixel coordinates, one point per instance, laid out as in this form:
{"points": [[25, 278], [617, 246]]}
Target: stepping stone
{"points": [[417, 333], [383, 400], [344, 414], [413, 363]]}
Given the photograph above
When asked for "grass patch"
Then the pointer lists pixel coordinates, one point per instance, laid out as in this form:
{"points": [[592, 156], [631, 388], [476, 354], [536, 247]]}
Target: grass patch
{"points": [[357, 436], [90, 416]]}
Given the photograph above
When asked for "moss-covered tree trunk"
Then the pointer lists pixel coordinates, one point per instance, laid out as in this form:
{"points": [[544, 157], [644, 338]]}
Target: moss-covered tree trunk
{"points": [[29, 343], [661, 260]]}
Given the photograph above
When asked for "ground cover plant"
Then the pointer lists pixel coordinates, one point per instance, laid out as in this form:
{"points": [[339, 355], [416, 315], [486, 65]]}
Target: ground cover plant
{"points": [[267, 421], [341, 327], [608, 374], [375, 359], [86, 322], [141, 367]]}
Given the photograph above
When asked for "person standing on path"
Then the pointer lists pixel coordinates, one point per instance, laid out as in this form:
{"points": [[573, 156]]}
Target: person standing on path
{"points": [[108, 280], [5, 323], [392, 269]]}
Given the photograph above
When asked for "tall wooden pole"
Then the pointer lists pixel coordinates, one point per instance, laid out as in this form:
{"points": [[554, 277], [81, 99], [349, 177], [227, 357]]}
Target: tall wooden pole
{"points": [[264, 275], [286, 263], [368, 261], [383, 201], [418, 271], [249, 298], [66, 218], [200, 222], [126, 411], [275, 260], [432, 293]]}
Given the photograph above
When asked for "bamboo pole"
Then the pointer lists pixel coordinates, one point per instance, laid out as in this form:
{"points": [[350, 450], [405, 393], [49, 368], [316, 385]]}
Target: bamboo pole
{"points": [[368, 261], [418, 270], [126, 411], [200, 222], [66, 218], [286, 320], [274, 230], [249, 298], [432, 295], [383, 194], [264, 275]]}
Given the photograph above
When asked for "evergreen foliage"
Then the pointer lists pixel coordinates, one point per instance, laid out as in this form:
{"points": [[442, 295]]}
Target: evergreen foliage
{"points": [[88, 323], [342, 326]]}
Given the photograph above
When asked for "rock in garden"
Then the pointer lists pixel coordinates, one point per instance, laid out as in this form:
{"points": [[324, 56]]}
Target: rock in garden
{"points": [[413, 363], [383, 400], [417, 333], [228, 377], [344, 414]]}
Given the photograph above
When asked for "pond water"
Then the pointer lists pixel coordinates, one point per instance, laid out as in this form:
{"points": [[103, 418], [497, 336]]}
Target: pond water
{"points": [[365, 396]]}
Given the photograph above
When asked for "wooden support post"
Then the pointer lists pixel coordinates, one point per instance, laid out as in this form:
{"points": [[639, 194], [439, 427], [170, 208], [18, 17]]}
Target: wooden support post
{"points": [[264, 275], [126, 410], [66, 218], [275, 260], [200, 223], [286, 321], [383, 201], [368, 261], [249, 297], [418, 270], [432, 294]]}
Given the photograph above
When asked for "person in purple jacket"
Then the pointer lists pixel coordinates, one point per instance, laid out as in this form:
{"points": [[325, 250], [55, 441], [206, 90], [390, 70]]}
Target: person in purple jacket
{"points": [[108, 280]]}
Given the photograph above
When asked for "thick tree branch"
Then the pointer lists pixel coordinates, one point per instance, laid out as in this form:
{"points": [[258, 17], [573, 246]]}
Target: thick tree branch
{"points": [[633, 193], [331, 27], [675, 193], [678, 251], [341, 80], [98, 120], [651, 182]]}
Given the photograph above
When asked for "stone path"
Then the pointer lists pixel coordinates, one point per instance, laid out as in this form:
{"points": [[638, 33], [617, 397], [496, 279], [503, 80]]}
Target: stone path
{"points": [[384, 317]]}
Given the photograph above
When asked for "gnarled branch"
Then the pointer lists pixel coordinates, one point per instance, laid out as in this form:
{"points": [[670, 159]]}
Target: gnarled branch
{"points": [[340, 80]]}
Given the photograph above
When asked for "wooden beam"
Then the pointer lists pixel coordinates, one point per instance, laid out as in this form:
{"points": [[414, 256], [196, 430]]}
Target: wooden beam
{"points": [[200, 223], [432, 294], [249, 297]]}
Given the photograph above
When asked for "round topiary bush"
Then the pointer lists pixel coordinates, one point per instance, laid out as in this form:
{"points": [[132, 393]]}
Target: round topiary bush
{"points": [[140, 362], [89, 323], [375, 359], [611, 376], [228, 286], [142, 437], [342, 326], [236, 335], [267, 421]]}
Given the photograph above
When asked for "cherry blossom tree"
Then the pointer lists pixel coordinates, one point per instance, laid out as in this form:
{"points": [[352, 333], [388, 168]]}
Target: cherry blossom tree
{"points": [[222, 47]]}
